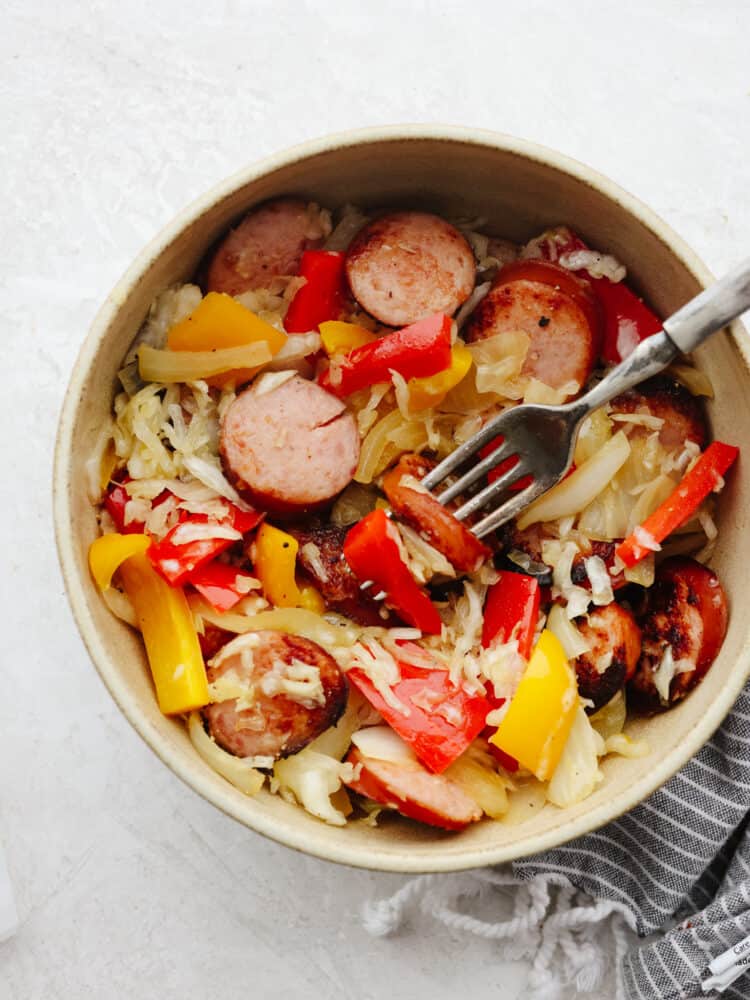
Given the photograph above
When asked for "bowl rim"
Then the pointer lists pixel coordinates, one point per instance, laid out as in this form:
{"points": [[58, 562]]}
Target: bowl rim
{"points": [[288, 834]]}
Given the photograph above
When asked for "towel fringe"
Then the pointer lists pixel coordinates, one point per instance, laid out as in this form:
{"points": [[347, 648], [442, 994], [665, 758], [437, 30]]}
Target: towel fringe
{"points": [[561, 931]]}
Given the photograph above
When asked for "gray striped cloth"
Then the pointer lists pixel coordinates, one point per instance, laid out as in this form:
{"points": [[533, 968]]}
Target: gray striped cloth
{"points": [[683, 853], [676, 870]]}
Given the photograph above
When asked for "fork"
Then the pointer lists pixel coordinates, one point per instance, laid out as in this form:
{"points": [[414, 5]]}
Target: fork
{"points": [[543, 437]]}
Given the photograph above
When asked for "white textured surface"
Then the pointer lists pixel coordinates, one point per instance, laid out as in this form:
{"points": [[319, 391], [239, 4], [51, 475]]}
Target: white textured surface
{"points": [[113, 116]]}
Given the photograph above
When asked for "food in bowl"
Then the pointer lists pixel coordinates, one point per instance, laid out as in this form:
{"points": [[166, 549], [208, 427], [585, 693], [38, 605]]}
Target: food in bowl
{"points": [[322, 622]]}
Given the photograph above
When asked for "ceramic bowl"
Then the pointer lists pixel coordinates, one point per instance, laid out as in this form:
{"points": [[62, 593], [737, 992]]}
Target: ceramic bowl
{"points": [[519, 189]]}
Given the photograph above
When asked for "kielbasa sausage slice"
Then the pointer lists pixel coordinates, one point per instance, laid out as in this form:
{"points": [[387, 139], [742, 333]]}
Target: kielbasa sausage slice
{"points": [[686, 617], [406, 266], [667, 399], [295, 691], [615, 646], [414, 791], [321, 556], [557, 312], [268, 242], [291, 449], [463, 550]]}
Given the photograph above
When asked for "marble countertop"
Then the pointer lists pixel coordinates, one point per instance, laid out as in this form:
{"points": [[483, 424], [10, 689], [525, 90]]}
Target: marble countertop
{"points": [[114, 116]]}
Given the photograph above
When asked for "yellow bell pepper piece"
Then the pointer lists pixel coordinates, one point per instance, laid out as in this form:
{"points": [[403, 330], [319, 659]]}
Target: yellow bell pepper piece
{"points": [[311, 600], [340, 338], [174, 653], [217, 322], [432, 389], [275, 561], [108, 552], [538, 721]]}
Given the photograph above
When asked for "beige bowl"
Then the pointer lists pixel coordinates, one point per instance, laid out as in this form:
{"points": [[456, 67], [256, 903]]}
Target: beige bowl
{"points": [[520, 189]]}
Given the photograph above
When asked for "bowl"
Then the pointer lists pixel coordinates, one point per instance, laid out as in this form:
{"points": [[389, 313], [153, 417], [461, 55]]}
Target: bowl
{"points": [[519, 188]]}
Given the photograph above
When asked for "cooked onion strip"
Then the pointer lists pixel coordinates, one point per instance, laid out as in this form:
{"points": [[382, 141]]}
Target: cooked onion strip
{"points": [[296, 621], [236, 770], [189, 366], [570, 638], [579, 489]]}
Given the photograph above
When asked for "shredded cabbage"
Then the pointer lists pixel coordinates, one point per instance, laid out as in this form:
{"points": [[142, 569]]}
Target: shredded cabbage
{"points": [[577, 774], [310, 779], [498, 362]]}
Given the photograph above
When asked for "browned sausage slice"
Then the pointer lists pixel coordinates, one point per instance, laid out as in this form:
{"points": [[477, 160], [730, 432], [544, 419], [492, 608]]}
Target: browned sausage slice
{"points": [[268, 242], [562, 344], [291, 449], [529, 542], [408, 265], [414, 791], [686, 614], [321, 556], [295, 691], [615, 645], [461, 548], [667, 399]]}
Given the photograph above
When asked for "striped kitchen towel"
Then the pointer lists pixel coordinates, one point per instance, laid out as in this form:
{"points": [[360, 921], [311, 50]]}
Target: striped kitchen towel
{"points": [[675, 871]]}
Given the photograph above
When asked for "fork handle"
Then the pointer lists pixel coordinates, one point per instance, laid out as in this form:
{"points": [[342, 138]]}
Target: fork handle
{"points": [[689, 327], [711, 310], [650, 357]]}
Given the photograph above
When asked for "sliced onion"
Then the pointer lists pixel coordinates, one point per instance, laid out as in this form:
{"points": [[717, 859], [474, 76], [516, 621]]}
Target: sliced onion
{"points": [[297, 621], [293, 355], [579, 489], [610, 718], [269, 381], [189, 366], [595, 431], [352, 220], [390, 437], [472, 302], [120, 605], [479, 776], [237, 771], [382, 743], [570, 638]]}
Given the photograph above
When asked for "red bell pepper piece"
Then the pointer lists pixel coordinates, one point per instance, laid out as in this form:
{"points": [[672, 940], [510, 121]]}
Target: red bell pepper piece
{"points": [[115, 500], [704, 477], [443, 719], [220, 584], [321, 297], [373, 554], [422, 349], [511, 611], [627, 320], [177, 562]]}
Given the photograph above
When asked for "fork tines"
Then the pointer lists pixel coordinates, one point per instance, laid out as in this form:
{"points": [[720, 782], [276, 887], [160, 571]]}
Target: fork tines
{"points": [[477, 473]]}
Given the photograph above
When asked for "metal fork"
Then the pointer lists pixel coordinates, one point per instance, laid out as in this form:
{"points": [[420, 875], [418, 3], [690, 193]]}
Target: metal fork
{"points": [[544, 437]]}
